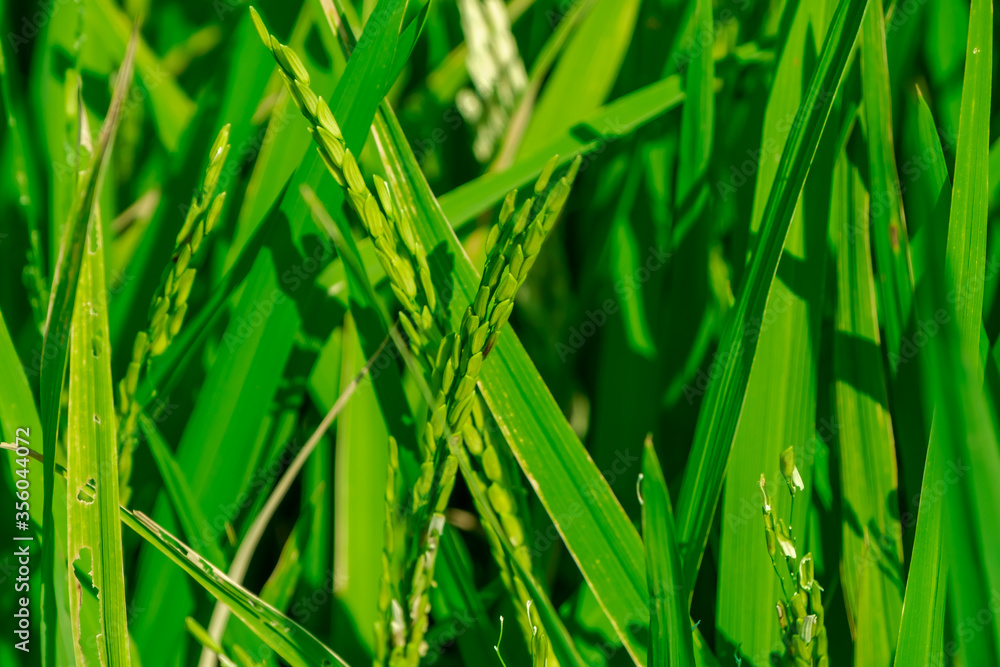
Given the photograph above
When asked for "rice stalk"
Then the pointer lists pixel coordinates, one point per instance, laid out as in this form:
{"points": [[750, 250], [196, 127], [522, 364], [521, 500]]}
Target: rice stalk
{"points": [[388, 607], [399, 250], [800, 615], [60, 313], [501, 484], [496, 70], [512, 247], [169, 305], [451, 361]]}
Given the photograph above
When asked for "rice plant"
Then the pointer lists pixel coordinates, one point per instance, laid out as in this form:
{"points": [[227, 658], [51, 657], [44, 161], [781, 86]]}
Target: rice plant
{"points": [[538, 332]]}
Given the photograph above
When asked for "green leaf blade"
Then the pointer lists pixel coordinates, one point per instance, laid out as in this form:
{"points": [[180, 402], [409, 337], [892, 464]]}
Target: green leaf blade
{"points": [[891, 241], [590, 520], [288, 639], [786, 364], [921, 630], [670, 642], [872, 538], [94, 531], [720, 414], [972, 509], [56, 337]]}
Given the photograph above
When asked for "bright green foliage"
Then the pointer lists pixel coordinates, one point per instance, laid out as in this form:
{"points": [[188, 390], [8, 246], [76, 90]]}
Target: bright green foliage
{"points": [[368, 372], [170, 303], [969, 433], [285, 636], [670, 639], [872, 548], [800, 612], [723, 404], [450, 362], [93, 529], [788, 354], [56, 336], [891, 241], [921, 629]]}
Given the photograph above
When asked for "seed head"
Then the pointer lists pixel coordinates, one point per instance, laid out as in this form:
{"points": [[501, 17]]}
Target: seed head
{"points": [[327, 120], [808, 627], [799, 605], [547, 171], [770, 537], [290, 62], [265, 36], [785, 541], [351, 172], [790, 472], [508, 207], [807, 572], [763, 492]]}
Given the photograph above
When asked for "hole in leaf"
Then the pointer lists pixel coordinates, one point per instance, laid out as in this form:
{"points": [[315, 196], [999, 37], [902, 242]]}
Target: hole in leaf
{"points": [[88, 596], [87, 492]]}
